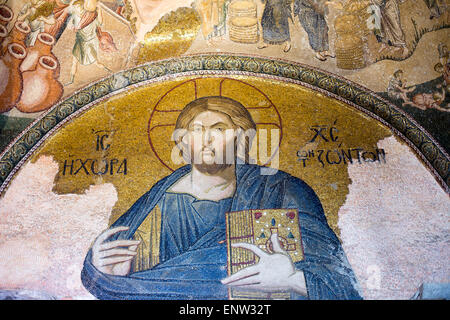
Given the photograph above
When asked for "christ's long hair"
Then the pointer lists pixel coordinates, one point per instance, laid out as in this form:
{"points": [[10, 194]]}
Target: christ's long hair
{"points": [[237, 113]]}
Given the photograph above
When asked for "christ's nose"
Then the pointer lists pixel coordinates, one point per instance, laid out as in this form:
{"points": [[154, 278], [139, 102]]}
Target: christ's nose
{"points": [[207, 138]]}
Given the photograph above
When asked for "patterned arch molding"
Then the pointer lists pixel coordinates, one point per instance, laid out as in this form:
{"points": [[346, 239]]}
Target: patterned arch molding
{"points": [[334, 86]]}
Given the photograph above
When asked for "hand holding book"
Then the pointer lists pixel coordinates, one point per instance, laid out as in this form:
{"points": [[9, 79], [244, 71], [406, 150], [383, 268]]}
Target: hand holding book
{"points": [[273, 273]]}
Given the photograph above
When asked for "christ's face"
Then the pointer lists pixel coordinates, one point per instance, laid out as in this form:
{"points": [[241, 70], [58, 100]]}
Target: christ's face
{"points": [[210, 136]]}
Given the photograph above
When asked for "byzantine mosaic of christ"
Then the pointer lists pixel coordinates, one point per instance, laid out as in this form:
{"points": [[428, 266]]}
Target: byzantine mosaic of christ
{"points": [[171, 243]]}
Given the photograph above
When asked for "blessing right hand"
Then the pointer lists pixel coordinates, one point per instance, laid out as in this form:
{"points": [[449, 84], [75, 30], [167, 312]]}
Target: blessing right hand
{"points": [[113, 257]]}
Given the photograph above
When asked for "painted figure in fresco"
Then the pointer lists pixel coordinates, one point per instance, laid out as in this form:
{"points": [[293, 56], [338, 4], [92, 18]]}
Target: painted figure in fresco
{"points": [[213, 16], [391, 31], [120, 6], [443, 54], [397, 87], [85, 24], [275, 24], [445, 72], [61, 15], [437, 7], [37, 14], [311, 15], [171, 244], [443, 66], [425, 101]]}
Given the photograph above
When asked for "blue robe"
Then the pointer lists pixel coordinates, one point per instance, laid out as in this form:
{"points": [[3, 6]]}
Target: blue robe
{"points": [[314, 23], [194, 255], [275, 21]]}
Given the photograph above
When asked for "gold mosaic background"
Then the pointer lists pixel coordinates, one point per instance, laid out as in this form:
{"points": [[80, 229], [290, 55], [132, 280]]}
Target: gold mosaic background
{"points": [[126, 117]]}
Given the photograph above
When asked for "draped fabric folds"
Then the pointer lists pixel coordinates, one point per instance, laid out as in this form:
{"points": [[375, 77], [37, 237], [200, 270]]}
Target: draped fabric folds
{"points": [[193, 255]]}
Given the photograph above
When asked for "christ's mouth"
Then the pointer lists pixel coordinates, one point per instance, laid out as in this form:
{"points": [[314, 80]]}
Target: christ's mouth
{"points": [[208, 151]]}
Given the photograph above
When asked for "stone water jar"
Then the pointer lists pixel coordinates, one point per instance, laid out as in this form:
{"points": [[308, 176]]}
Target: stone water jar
{"points": [[41, 90], [42, 47], [3, 34], [10, 76], [17, 35], [6, 15], [19, 32]]}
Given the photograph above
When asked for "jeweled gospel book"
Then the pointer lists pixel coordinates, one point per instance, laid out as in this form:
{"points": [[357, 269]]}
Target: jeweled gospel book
{"points": [[256, 227]]}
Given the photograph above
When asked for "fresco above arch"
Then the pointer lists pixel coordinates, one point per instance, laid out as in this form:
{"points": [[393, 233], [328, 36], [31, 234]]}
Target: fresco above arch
{"points": [[366, 42]]}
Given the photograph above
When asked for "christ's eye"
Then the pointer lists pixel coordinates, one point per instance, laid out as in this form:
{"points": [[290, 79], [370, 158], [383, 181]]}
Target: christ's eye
{"points": [[197, 129]]}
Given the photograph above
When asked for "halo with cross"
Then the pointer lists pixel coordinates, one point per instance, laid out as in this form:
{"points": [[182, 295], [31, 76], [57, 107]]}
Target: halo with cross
{"points": [[166, 110]]}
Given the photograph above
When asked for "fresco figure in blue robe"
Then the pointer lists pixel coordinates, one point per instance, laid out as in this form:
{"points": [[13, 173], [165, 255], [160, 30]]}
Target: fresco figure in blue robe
{"points": [[275, 24], [171, 244], [311, 15]]}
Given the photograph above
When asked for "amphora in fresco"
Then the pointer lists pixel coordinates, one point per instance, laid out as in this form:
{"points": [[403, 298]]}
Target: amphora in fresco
{"points": [[40, 87], [10, 76]]}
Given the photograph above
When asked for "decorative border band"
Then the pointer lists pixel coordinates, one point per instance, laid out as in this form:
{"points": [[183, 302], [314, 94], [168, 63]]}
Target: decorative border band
{"points": [[208, 64]]}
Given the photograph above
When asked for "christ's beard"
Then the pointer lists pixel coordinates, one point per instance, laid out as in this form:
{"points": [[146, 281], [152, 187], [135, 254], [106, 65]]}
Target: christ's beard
{"points": [[212, 169], [213, 166]]}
